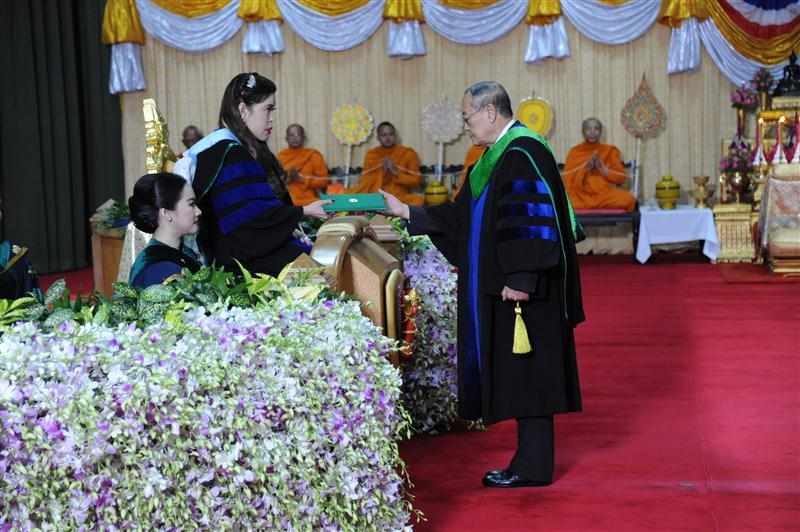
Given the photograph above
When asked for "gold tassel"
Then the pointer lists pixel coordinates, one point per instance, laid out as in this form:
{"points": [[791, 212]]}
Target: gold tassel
{"points": [[522, 344]]}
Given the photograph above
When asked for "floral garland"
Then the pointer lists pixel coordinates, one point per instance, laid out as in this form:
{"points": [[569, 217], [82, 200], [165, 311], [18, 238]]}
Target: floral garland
{"points": [[351, 124], [430, 391], [283, 416]]}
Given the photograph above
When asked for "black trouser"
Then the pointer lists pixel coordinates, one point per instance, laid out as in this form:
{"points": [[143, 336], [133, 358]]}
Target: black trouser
{"points": [[534, 458]]}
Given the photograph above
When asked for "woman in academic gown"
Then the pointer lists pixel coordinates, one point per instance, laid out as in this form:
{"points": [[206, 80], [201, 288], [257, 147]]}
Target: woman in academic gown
{"points": [[164, 205], [249, 215]]}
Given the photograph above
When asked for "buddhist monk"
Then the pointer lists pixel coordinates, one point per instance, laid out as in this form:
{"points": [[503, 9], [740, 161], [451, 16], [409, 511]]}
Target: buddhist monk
{"points": [[391, 167], [305, 168], [191, 135], [591, 171], [473, 154]]}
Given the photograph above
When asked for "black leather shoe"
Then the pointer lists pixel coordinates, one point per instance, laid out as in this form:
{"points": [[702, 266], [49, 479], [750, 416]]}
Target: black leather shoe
{"points": [[496, 473], [508, 479]]}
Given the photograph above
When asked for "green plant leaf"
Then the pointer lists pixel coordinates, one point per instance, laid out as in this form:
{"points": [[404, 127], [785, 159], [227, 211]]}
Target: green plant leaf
{"points": [[55, 291]]}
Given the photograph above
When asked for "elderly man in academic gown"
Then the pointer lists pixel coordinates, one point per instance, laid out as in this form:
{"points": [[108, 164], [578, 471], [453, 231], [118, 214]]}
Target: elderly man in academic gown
{"points": [[511, 233]]}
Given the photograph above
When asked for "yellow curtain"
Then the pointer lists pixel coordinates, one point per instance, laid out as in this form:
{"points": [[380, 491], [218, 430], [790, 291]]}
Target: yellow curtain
{"points": [[767, 51], [191, 8], [674, 12], [255, 10], [468, 4], [543, 12], [332, 9], [121, 23], [400, 10], [613, 2]]}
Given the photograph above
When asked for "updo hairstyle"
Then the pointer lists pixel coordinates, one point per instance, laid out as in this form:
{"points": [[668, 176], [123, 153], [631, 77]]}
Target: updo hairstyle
{"points": [[151, 193]]}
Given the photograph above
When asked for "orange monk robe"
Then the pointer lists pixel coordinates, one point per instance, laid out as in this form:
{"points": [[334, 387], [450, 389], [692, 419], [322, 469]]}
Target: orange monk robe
{"points": [[590, 189], [312, 171], [473, 155], [408, 176]]}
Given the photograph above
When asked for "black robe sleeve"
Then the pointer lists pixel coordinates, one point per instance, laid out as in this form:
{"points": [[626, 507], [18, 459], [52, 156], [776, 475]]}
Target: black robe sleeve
{"points": [[527, 225], [441, 223]]}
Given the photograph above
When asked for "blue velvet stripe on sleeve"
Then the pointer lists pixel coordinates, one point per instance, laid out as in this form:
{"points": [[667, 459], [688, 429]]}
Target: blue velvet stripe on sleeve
{"points": [[529, 232], [237, 170], [524, 186], [526, 209], [238, 217], [252, 191]]}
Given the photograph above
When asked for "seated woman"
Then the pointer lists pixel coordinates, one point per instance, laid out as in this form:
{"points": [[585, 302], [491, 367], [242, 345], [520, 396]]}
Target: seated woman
{"points": [[591, 171], [249, 215], [391, 167], [164, 205], [17, 276], [305, 168]]}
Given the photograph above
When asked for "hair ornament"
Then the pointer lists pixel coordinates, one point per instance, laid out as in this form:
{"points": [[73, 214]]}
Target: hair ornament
{"points": [[251, 81]]}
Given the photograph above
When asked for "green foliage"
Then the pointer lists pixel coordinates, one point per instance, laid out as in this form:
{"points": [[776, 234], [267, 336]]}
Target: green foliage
{"points": [[109, 218], [211, 288]]}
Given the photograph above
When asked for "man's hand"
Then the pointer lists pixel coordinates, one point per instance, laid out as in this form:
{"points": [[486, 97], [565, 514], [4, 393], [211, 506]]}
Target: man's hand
{"points": [[509, 294], [593, 161], [395, 207], [388, 166], [292, 176], [315, 209]]}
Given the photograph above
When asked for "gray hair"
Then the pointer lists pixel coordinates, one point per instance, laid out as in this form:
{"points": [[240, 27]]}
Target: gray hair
{"points": [[490, 92]]}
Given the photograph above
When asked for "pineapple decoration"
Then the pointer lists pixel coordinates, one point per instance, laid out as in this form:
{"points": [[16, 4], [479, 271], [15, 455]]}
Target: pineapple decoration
{"points": [[443, 124], [642, 117]]}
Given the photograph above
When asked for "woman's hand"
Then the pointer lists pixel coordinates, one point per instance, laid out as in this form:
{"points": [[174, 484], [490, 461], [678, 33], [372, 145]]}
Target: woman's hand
{"points": [[315, 209], [395, 207], [509, 294]]}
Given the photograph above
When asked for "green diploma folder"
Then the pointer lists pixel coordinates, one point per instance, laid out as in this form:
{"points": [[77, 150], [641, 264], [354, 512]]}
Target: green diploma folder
{"points": [[354, 202]]}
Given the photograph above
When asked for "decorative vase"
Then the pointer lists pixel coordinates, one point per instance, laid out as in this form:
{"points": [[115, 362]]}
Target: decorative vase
{"points": [[737, 183], [667, 192], [702, 192], [435, 193]]}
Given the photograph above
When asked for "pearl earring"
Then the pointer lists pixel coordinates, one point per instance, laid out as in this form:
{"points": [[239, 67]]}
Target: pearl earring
{"points": [[169, 218], [244, 120]]}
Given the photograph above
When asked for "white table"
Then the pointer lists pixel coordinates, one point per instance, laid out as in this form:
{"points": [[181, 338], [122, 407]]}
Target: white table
{"points": [[682, 224]]}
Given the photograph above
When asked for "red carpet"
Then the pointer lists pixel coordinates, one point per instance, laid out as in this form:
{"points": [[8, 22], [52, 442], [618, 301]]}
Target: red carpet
{"points": [[691, 400], [78, 281], [754, 273]]}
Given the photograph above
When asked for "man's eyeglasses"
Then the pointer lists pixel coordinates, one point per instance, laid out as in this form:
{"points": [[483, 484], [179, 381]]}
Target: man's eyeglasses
{"points": [[467, 118]]}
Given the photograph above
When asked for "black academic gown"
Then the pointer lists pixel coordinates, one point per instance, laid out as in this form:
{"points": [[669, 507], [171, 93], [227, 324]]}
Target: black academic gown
{"points": [[512, 254], [243, 219]]}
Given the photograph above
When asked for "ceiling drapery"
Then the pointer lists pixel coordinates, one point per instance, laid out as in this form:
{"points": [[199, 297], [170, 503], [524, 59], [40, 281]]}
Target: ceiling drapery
{"points": [[740, 35]]}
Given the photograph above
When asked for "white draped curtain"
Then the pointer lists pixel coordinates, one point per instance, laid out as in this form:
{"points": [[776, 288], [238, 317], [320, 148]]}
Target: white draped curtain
{"points": [[611, 24], [603, 23], [332, 34], [474, 26]]}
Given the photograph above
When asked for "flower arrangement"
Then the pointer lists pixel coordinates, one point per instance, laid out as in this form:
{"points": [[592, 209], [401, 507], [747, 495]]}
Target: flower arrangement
{"points": [[737, 159], [762, 80], [280, 416], [429, 379], [743, 98], [351, 124]]}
